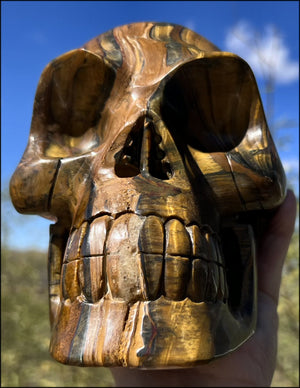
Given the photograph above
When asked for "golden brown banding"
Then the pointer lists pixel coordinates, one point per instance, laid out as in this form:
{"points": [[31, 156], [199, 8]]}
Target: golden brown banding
{"points": [[150, 150]]}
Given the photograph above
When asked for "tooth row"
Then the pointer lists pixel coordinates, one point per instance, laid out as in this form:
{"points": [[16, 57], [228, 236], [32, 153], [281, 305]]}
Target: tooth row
{"points": [[90, 239], [139, 258]]}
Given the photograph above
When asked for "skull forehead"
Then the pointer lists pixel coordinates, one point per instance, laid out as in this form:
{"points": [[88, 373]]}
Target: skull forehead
{"points": [[130, 48]]}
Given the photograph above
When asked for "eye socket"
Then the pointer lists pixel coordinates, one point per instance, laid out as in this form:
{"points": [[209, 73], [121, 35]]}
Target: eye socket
{"points": [[69, 100], [208, 102]]}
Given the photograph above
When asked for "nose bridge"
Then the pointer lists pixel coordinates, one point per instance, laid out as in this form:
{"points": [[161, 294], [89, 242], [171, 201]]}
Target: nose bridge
{"points": [[151, 151], [142, 153], [154, 158]]}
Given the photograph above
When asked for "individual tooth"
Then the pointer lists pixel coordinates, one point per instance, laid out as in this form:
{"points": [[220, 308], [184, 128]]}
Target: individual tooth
{"points": [[151, 238], [198, 281], [126, 281], [176, 277], [55, 256], [58, 235], [222, 293], [211, 247], [92, 281], [123, 260], [213, 267], [74, 243], [221, 288], [199, 243], [195, 236], [222, 280], [177, 239], [80, 274], [212, 282], [124, 234], [94, 239], [152, 267], [70, 280]]}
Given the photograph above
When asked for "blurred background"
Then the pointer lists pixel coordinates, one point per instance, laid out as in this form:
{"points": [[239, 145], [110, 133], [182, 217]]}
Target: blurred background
{"points": [[265, 34]]}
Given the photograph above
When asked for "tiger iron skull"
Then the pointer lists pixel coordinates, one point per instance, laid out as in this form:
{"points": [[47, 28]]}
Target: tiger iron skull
{"points": [[150, 150]]}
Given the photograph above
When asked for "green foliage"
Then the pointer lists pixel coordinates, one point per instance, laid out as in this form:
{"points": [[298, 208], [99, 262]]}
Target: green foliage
{"points": [[287, 370], [26, 331]]}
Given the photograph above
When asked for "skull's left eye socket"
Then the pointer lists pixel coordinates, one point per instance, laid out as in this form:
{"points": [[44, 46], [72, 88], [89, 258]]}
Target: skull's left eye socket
{"points": [[69, 100], [207, 102]]}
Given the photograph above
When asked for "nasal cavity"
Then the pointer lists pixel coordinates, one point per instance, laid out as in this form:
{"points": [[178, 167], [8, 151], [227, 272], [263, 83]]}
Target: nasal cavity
{"points": [[130, 160]]}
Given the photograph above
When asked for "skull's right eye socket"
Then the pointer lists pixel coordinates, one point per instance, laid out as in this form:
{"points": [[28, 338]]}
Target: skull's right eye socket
{"points": [[70, 97], [207, 102]]}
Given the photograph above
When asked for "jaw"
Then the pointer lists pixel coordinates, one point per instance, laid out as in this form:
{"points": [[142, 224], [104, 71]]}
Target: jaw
{"points": [[168, 308], [148, 334]]}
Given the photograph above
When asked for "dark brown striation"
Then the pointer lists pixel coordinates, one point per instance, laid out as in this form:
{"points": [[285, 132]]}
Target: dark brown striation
{"points": [[150, 150]]}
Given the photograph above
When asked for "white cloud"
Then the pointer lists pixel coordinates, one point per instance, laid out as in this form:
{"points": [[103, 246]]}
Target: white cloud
{"points": [[291, 168], [264, 52], [291, 165]]}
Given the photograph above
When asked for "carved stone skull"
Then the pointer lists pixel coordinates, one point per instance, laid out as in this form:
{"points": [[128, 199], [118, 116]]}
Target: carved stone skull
{"points": [[150, 150]]}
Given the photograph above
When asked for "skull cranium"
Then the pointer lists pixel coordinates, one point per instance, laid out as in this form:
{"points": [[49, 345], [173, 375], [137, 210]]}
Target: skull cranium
{"points": [[150, 149]]}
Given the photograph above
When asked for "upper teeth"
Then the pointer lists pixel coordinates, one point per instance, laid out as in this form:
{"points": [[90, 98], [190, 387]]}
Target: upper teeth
{"points": [[137, 257]]}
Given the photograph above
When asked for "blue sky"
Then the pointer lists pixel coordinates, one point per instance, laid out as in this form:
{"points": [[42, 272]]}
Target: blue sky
{"points": [[35, 32]]}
